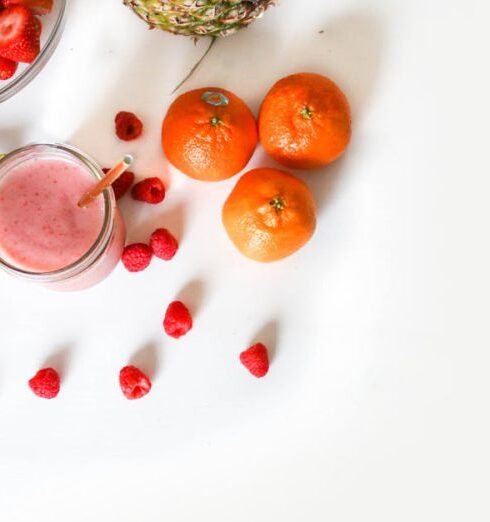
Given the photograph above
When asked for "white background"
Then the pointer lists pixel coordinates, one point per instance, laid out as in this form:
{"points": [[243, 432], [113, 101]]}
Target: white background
{"points": [[376, 404]]}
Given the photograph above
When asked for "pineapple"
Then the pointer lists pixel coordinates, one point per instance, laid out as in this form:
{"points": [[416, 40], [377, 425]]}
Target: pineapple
{"points": [[199, 17]]}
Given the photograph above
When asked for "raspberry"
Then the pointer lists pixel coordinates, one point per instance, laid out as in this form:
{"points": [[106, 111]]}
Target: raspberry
{"points": [[163, 244], [178, 320], [128, 126], [122, 183], [136, 257], [46, 383], [256, 360], [134, 383], [150, 190]]}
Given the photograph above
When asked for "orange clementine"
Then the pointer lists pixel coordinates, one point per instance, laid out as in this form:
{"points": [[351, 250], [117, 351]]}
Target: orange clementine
{"points": [[209, 134], [305, 121], [269, 214]]}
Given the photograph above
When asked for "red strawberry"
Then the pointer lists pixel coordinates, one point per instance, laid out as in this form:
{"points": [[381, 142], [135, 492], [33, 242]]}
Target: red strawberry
{"points": [[38, 7], [256, 360], [7, 68], [20, 33], [122, 184]]}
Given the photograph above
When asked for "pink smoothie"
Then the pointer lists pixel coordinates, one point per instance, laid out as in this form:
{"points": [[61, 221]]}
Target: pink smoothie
{"points": [[42, 229]]}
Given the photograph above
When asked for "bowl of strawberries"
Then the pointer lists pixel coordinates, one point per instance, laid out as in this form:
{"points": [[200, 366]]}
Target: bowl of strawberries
{"points": [[29, 33]]}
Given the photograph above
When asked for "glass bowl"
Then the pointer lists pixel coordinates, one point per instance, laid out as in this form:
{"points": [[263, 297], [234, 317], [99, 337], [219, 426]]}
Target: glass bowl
{"points": [[50, 36]]}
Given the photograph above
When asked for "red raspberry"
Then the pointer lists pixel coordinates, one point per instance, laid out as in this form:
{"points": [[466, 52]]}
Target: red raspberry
{"points": [[163, 244], [46, 383], [178, 320], [136, 257], [122, 184], [134, 383], [150, 190], [128, 126], [256, 360]]}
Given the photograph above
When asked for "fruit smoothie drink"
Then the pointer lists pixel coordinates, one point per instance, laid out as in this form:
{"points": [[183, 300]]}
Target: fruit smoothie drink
{"points": [[44, 235]]}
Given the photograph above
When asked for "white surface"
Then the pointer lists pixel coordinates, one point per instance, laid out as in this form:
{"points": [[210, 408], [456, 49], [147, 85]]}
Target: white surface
{"points": [[376, 405]]}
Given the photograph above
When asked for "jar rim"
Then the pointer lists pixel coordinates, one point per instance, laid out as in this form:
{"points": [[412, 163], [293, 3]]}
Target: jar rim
{"points": [[98, 248]]}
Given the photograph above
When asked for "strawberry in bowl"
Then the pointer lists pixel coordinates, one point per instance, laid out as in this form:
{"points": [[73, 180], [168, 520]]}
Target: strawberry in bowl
{"points": [[20, 34], [29, 32], [38, 7]]}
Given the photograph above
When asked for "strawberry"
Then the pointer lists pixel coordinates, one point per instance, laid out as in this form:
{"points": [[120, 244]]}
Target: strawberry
{"points": [[38, 7], [20, 33], [7, 68]]}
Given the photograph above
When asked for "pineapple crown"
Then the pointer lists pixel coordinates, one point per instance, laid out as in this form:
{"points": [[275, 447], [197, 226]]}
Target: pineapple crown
{"points": [[200, 17]]}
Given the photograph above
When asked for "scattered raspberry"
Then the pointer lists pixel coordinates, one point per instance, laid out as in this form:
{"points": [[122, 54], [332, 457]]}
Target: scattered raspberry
{"points": [[163, 244], [128, 126], [122, 184], [178, 320], [134, 383], [46, 383], [256, 360], [136, 257], [150, 190], [7, 68]]}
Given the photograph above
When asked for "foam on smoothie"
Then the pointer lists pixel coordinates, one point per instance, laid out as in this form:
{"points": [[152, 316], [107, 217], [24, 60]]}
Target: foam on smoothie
{"points": [[42, 229]]}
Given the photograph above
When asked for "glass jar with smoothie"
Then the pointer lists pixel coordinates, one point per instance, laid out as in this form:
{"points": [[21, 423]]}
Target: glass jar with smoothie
{"points": [[45, 237]]}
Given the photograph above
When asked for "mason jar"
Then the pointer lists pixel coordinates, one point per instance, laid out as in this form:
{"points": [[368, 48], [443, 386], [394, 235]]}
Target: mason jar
{"points": [[96, 261]]}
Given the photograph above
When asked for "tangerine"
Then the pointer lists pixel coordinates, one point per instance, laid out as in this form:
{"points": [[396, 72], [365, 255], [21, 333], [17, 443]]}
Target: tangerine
{"points": [[269, 214], [305, 121], [209, 134]]}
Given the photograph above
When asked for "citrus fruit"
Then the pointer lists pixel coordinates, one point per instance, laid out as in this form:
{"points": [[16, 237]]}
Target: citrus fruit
{"points": [[269, 214], [209, 134], [305, 121]]}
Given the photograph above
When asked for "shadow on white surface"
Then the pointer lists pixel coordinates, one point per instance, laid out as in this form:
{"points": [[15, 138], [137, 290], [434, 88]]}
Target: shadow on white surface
{"points": [[172, 218], [348, 50], [268, 336], [353, 47], [192, 295], [11, 138], [59, 360], [147, 359]]}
